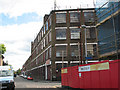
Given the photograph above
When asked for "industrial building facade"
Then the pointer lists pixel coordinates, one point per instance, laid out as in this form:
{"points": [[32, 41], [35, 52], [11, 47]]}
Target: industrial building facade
{"points": [[61, 43], [108, 29]]}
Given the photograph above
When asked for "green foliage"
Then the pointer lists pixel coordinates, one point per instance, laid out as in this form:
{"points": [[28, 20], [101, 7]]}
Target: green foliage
{"points": [[18, 72], [2, 49]]}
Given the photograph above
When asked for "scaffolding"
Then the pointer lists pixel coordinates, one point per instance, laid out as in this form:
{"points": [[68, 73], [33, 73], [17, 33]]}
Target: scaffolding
{"points": [[108, 29]]}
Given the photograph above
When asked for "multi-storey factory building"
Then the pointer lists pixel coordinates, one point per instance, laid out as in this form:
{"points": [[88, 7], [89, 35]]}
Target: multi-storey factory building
{"points": [[61, 43]]}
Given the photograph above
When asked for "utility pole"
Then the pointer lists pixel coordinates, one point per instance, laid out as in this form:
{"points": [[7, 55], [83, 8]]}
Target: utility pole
{"points": [[54, 4], [115, 36], [79, 52], [62, 59], [85, 28], [85, 45]]}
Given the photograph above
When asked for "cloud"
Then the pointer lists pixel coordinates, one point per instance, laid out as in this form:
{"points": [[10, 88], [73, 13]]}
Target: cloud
{"points": [[17, 39], [18, 7]]}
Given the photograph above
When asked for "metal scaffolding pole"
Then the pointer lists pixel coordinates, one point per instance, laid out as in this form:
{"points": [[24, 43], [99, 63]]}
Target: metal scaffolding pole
{"points": [[62, 59]]}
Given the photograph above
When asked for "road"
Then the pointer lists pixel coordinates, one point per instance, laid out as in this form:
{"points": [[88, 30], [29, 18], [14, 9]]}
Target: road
{"points": [[24, 83]]}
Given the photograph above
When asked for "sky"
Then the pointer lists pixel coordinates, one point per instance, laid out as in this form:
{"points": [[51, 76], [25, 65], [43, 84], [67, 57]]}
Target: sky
{"points": [[21, 20]]}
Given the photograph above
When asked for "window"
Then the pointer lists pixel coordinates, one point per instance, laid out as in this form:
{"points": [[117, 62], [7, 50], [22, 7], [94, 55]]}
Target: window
{"points": [[89, 50], [74, 50], [59, 50], [49, 52], [40, 36], [44, 29], [39, 48], [42, 32], [36, 61], [60, 17], [49, 36], [75, 33], [46, 41], [89, 16], [43, 56], [46, 55], [87, 33], [92, 33], [39, 58], [36, 50], [50, 22], [60, 33], [46, 26], [42, 45], [74, 17]]}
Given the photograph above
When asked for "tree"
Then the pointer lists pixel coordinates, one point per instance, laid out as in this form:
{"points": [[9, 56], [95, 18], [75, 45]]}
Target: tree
{"points": [[18, 72], [2, 49]]}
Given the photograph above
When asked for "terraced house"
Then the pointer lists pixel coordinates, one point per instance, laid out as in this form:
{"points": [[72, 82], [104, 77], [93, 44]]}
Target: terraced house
{"points": [[61, 43]]}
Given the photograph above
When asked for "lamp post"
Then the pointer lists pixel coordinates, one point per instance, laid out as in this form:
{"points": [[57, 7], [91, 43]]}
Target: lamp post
{"points": [[62, 59], [85, 28], [79, 51]]}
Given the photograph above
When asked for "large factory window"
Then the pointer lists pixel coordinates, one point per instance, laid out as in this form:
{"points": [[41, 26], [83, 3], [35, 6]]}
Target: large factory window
{"points": [[60, 50], [89, 17], [75, 33], [74, 50], [60, 17], [60, 34], [74, 17]]}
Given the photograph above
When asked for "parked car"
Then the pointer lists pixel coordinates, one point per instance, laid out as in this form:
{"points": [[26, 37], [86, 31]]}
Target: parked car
{"points": [[29, 78], [25, 77], [21, 75], [6, 78]]}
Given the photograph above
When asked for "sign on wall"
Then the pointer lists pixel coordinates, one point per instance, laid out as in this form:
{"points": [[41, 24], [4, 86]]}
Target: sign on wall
{"points": [[100, 66], [64, 71]]}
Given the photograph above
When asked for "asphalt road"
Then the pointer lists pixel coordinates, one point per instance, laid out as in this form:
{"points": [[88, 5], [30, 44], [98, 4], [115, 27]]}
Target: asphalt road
{"points": [[24, 83]]}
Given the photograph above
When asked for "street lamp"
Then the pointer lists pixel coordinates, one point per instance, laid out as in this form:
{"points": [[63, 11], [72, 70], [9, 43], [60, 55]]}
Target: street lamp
{"points": [[85, 28]]}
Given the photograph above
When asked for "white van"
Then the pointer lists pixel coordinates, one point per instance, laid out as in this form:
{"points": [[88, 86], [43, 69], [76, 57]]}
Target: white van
{"points": [[6, 78]]}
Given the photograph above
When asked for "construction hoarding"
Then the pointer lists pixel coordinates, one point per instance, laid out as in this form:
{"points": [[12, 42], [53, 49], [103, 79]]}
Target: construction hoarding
{"points": [[95, 75]]}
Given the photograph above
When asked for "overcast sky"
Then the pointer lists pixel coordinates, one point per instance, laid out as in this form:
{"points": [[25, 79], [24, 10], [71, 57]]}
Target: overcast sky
{"points": [[21, 20]]}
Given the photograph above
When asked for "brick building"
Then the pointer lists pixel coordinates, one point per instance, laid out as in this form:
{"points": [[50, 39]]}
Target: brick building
{"points": [[61, 40]]}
